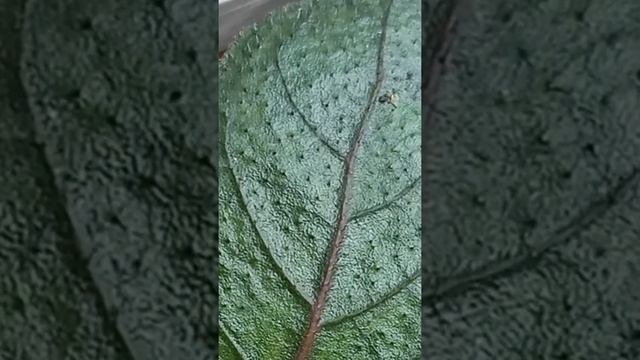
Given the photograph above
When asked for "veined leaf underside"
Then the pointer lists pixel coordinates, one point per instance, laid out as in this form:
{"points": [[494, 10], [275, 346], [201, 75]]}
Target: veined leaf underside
{"points": [[346, 161], [337, 238]]}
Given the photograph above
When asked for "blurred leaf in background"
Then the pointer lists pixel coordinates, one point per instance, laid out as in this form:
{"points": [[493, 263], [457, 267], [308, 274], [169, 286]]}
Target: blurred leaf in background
{"points": [[108, 203], [532, 172]]}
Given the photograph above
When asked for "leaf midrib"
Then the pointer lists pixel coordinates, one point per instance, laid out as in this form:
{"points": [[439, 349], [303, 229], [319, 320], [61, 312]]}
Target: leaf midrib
{"points": [[342, 218]]}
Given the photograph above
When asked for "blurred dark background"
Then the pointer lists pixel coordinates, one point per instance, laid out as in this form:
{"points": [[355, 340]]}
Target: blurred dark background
{"points": [[532, 182], [108, 188]]}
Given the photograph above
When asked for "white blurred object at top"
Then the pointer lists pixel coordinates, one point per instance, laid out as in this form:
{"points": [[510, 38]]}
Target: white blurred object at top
{"points": [[234, 15]]}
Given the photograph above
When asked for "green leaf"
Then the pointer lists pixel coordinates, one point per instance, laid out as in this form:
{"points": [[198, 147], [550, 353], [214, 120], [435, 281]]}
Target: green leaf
{"points": [[294, 94]]}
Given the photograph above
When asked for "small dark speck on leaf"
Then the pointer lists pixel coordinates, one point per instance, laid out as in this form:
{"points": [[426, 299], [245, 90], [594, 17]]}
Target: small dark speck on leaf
{"points": [[146, 182], [112, 218], [111, 120], [541, 140], [522, 53], [477, 201], [612, 39], [192, 55], [86, 24], [73, 94], [175, 96], [590, 148], [530, 223]]}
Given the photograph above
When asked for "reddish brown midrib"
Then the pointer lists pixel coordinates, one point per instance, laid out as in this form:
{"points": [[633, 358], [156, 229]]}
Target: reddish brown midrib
{"points": [[337, 238]]}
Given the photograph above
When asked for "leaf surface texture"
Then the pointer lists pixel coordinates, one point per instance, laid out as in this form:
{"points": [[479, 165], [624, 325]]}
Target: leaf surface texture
{"points": [[533, 184], [109, 180], [292, 94]]}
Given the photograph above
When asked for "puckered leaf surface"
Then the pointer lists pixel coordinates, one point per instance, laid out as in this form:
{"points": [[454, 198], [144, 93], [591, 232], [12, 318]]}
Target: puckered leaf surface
{"points": [[107, 208], [293, 92], [533, 183]]}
